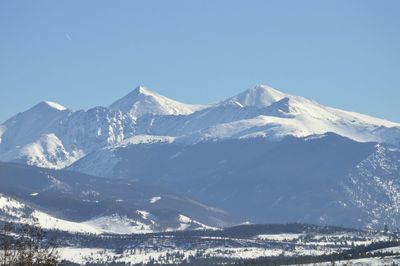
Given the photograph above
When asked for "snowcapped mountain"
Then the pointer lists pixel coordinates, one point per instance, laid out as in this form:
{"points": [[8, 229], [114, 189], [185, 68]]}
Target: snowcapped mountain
{"points": [[142, 101], [259, 96], [261, 148], [50, 135], [28, 126], [265, 112]]}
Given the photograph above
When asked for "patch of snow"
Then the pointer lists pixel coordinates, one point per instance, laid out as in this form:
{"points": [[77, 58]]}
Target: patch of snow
{"points": [[6, 202], [154, 199], [146, 215], [145, 139], [49, 222], [186, 222], [56, 106], [119, 225]]}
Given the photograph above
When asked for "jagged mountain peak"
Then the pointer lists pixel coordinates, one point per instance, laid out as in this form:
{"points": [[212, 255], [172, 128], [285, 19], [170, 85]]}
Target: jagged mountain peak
{"points": [[55, 105], [49, 105], [258, 111], [142, 101], [258, 96], [143, 90]]}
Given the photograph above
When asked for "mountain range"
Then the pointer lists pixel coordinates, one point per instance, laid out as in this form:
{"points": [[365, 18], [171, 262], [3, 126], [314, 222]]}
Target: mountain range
{"points": [[262, 155]]}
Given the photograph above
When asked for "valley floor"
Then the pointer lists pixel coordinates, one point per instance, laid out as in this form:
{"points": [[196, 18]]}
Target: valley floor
{"points": [[358, 248]]}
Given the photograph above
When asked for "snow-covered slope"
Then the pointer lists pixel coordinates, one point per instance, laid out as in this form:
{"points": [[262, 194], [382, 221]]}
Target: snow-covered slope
{"points": [[142, 101], [259, 96], [374, 187], [266, 139], [263, 111], [47, 151], [52, 136], [70, 201], [16, 211], [13, 210], [55, 139], [28, 126]]}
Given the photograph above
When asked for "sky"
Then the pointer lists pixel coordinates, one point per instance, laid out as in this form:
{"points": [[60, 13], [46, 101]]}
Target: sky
{"points": [[82, 54]]}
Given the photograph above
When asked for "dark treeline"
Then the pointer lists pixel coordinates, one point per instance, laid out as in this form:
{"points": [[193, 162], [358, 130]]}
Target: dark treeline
{"points": [[354, 253], [185, 238], [251, 230]]}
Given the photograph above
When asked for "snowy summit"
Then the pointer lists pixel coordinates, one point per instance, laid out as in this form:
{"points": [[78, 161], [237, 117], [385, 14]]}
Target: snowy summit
{"points": [[50, 135], [143, 101]]}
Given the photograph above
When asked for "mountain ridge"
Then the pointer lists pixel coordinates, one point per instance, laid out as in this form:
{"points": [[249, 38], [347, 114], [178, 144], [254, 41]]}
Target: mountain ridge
{"points": [[63, 200], [261, 148], [325, 179], [142, 101], [50, 135]]}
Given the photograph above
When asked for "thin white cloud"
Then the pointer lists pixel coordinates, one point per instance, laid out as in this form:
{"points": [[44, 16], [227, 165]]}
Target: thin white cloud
{"points": [[68, 36]]}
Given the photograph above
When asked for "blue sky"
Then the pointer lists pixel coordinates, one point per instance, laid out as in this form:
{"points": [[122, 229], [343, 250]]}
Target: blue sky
{"points": [[86, 53]]}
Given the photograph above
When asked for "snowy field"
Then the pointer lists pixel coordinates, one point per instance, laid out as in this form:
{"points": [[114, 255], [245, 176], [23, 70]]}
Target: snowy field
{"points": [[390, 260], [167, 249]]}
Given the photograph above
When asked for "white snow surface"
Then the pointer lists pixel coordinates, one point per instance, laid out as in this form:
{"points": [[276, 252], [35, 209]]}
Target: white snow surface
{"points": [[259, 96], [145, 139], [154, 199], [186, 222], [16, 211], [142, 101], [48, 151], [56, 106], [52, 136], [119, 225]]}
